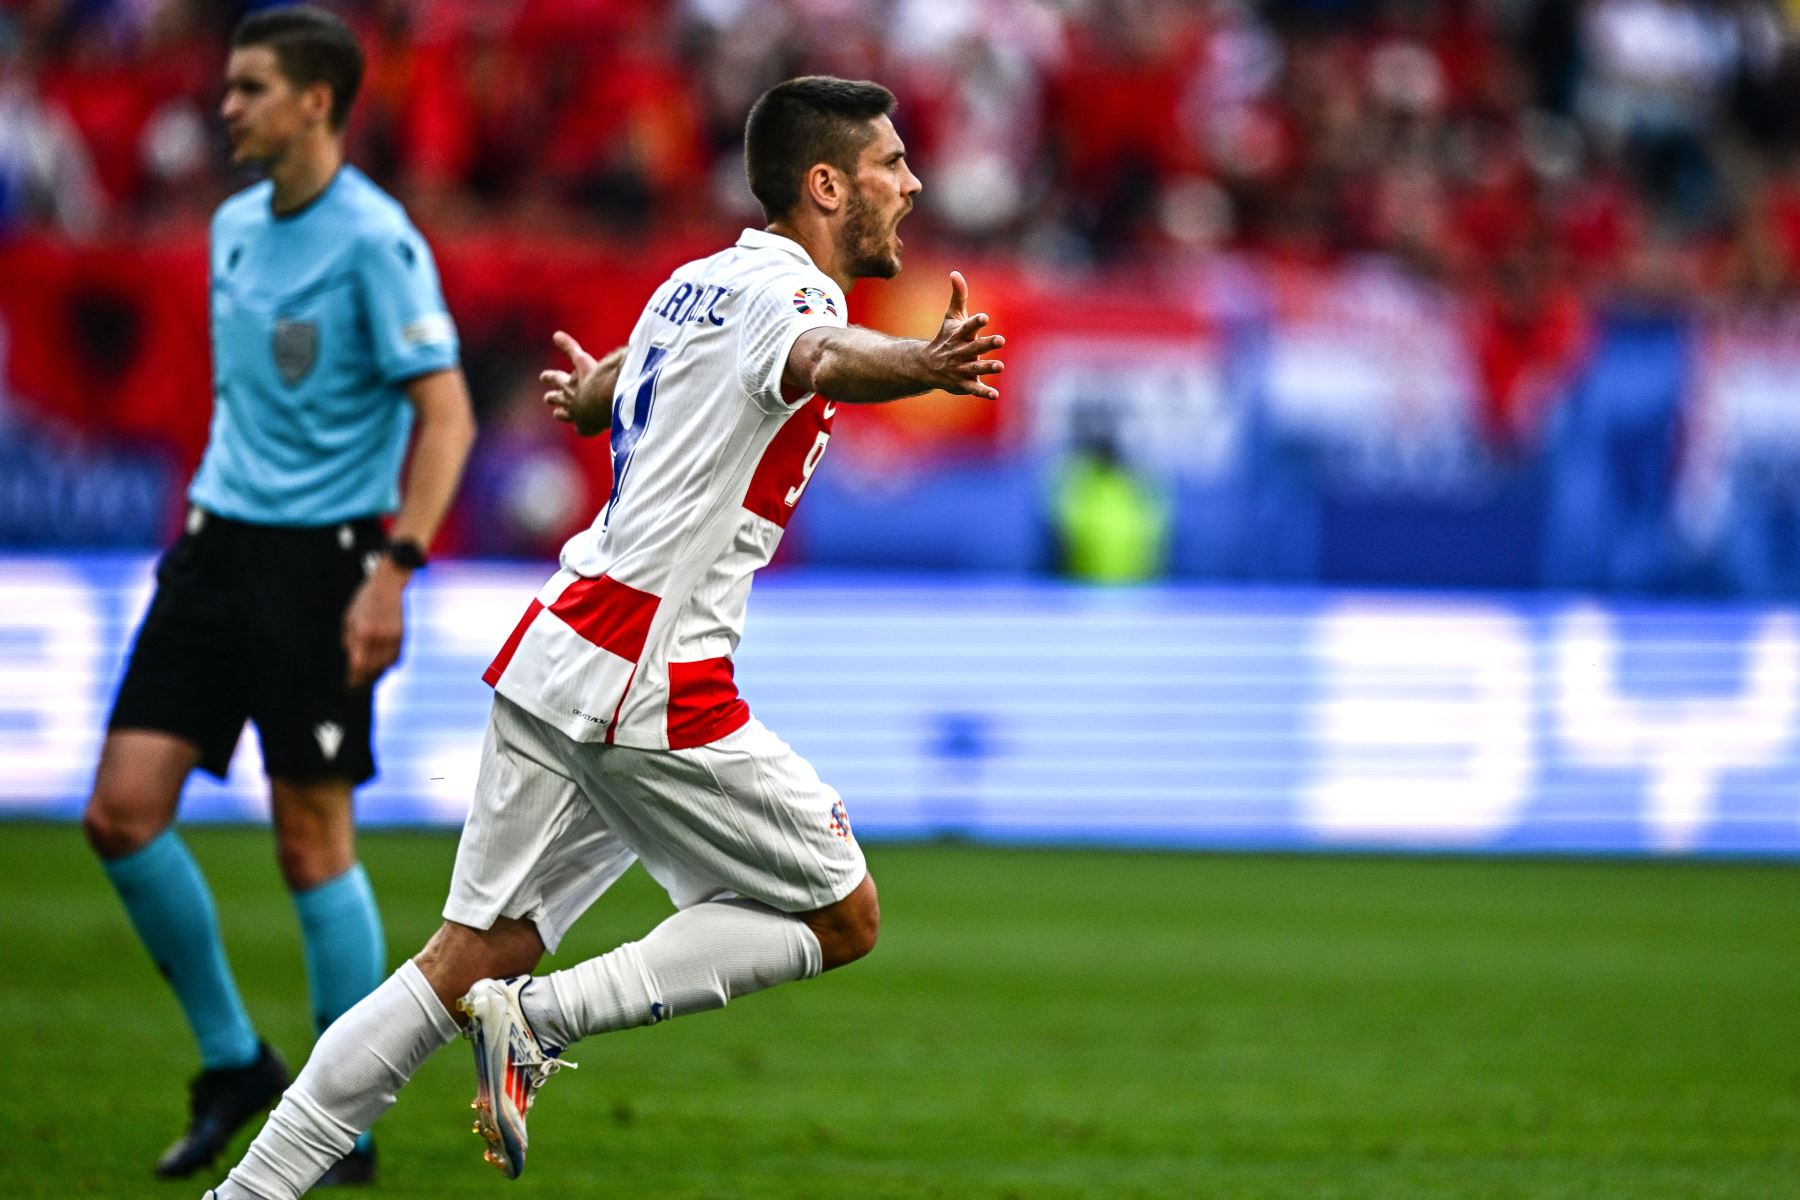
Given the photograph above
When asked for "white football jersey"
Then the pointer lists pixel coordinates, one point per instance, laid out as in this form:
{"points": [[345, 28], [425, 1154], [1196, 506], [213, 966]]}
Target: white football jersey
{"points": [[631, 640]]}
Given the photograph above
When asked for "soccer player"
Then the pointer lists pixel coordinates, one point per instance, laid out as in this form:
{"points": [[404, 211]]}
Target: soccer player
{"points": [[617, 733], [281, 602]]}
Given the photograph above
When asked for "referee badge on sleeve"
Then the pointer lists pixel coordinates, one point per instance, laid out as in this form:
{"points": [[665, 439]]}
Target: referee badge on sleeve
{"points": [[296, 349], [431, 329]]}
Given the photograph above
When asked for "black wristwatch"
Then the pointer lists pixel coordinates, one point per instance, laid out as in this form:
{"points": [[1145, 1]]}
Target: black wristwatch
{"points": [[407, 553]]}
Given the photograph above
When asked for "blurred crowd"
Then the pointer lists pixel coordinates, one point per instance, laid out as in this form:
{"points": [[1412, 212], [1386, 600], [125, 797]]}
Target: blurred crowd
{"points": [[1440, 202], [1540, 159], [1517, 145]]}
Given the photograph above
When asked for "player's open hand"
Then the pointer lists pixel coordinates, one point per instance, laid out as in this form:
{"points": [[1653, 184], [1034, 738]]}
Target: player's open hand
{"points": [[957, 356], [582, 395]]}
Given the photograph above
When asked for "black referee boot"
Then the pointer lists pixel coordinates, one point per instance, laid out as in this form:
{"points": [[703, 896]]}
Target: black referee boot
{"points": [[355, 1169], [219, 1104]]}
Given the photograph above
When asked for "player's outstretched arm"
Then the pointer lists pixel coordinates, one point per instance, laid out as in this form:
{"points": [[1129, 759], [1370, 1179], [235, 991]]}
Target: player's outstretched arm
{"points": [[860, 366], [582, 395]]}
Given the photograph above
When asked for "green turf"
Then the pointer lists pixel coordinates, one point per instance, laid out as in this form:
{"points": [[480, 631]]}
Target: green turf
{"points": [[1038, 1025]]}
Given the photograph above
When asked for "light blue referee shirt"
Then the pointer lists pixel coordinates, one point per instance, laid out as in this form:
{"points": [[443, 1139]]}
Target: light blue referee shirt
{"points": [[319, 319]]}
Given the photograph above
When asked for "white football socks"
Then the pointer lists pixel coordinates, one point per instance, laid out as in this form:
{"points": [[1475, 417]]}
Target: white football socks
{"points": [[696, 960], [357, 1066]]}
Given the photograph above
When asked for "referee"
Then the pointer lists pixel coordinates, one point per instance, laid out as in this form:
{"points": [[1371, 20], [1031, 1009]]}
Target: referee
{"points": [[281, 601]]}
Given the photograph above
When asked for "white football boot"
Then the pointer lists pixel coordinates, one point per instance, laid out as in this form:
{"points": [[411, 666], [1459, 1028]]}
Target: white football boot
{"points": [[510, 1066]]}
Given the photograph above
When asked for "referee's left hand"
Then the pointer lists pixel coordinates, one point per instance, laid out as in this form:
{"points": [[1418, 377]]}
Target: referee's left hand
{"points": [[374, 625]]}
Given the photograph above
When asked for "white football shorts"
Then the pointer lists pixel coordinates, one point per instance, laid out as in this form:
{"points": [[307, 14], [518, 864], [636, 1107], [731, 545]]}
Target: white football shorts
{"points": [[555, 822]]}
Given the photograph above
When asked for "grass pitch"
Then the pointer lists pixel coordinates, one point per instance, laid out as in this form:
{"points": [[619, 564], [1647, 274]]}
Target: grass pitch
{"points": [[1035, 1025]]}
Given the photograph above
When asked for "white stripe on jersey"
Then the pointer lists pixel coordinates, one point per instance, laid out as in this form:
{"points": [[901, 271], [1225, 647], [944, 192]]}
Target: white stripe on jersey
{"points": [[630, 642]]}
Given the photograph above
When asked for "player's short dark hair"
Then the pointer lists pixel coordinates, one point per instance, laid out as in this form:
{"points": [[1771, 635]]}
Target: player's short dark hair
{"points": [[312, 46], [800, 122]]}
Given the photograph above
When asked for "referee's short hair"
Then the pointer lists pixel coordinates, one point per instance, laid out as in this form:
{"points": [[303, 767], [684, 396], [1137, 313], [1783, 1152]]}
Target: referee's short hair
{"points": [[311, 46], [804, 121]]}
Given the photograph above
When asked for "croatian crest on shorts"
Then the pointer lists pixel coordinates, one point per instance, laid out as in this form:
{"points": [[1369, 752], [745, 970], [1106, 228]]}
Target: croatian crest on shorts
{"points": [[296, 349], [840, 820]]}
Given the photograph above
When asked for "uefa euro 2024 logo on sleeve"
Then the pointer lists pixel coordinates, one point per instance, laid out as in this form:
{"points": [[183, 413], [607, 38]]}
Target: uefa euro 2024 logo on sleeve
{"points": [[810, 300]]}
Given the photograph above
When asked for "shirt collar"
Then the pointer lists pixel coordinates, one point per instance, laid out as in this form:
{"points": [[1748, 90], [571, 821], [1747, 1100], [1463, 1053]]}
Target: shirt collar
{"points": [[294, 214], [762, 239]]}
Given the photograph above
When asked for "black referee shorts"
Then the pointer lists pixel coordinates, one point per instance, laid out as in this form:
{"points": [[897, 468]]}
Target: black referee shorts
{"points": [[247, 623]]}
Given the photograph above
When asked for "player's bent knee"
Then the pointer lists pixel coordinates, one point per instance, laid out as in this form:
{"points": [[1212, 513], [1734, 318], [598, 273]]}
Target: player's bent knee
{"points": [[848, 929], [844, 945], [858, 942], [457, 956], [866, 930]]}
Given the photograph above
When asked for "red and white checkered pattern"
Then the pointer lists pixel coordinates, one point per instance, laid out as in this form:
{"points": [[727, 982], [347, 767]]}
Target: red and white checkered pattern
{"points": [[630, 642]]}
